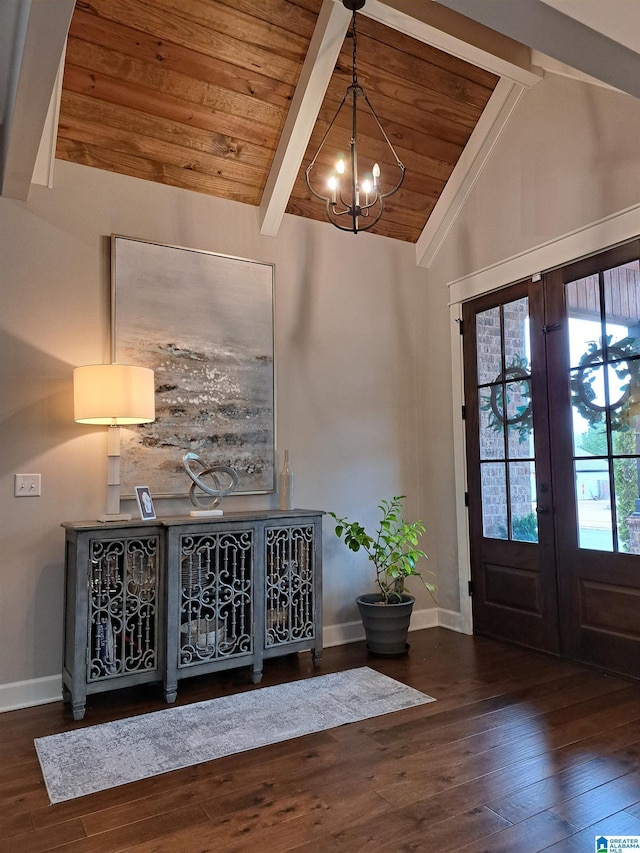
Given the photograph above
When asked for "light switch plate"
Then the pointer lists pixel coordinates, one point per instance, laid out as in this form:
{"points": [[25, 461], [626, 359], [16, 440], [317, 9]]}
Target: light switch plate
{"points": [[27, 485]]}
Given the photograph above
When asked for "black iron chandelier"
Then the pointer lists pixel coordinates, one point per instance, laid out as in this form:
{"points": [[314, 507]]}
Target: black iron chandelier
{"points": [[359, 200]]}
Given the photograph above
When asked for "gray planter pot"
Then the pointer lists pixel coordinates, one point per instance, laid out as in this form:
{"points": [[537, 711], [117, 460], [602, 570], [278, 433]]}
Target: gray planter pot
{"points": [[386, 625]]}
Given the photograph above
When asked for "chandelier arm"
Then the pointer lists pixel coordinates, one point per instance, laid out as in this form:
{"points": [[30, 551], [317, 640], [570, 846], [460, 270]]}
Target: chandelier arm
{"points": [[372, 203], [398, 185], [335, 212], [307, 172], [366, 210], [351, 228], [343, 202], [381, 128], [357, 230], [372, 222], [311, 189]]}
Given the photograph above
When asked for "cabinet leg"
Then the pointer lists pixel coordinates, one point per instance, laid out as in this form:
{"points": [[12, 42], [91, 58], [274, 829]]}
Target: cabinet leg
{"points": [[170, 695], [78, 709], [66, 695], [256, 675], [316, 656]]}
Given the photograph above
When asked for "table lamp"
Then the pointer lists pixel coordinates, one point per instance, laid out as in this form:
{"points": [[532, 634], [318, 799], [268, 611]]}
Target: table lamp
{"points": [[116, 395]]}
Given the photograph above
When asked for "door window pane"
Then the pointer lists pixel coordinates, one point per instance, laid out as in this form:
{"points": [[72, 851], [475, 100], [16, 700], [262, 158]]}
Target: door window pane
{"points": [[622, 306], [491, 422], [522, 491], [595, 521], [625, 477], [488, 345], [583, 308], [494, 500], [517, 351], [625, 395], [519, 418]]}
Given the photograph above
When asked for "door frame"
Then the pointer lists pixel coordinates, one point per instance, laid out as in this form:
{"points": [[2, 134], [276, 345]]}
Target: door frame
{"points": [[593, 238]]}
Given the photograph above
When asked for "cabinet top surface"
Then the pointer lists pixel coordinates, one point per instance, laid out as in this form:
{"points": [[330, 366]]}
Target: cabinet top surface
{"points": [[173, 520]]}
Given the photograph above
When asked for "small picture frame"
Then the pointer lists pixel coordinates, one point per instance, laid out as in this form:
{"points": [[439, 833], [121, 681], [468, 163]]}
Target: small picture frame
{"points": [[145, 503]]}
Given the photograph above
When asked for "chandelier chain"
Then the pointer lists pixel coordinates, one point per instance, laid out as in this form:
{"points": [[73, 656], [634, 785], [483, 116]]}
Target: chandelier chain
{"points": [[354, 65]]}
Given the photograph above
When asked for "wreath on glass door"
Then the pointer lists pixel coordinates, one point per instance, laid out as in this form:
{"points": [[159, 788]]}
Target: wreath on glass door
{"points": [[622, 359], [521, 419]]}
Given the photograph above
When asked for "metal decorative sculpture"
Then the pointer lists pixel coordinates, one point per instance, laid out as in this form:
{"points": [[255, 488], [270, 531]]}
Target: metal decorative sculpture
{"points": [[217, 475]]}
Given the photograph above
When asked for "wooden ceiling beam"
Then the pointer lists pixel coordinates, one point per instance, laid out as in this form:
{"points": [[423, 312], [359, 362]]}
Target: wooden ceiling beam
{"points": [[320, 61], [457, 35], [467, 170], [37, 60]]}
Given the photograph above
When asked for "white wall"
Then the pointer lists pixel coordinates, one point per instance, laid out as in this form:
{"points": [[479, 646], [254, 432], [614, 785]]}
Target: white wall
{"points": [[568, 157], [349, 338]]}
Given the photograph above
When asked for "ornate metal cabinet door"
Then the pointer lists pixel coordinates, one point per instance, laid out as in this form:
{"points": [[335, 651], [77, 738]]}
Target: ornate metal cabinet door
{"points": [[123, 606], [211, 599], [114, 613], [216, 596], [292, 601]]}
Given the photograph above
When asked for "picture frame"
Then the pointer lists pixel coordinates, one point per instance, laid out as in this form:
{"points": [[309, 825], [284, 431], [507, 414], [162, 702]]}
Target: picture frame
{"points": [[145, 503], [204, 322]]}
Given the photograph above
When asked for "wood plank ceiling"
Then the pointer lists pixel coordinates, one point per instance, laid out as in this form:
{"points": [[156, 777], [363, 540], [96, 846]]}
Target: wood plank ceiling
{"points": [[196, 94]]}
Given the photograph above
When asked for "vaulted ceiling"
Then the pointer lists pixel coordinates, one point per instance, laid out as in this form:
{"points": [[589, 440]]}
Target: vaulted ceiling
{"points": [[197, 94], [232, 97]]}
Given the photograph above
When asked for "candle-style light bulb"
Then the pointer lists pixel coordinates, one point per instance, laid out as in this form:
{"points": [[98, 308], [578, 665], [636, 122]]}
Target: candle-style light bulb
{"points": [[333, 186], [366, 188], [376, 174], [340, 167]]}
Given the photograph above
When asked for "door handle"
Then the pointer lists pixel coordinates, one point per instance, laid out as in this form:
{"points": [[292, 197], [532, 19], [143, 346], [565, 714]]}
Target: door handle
{"points": [[542, 510]]}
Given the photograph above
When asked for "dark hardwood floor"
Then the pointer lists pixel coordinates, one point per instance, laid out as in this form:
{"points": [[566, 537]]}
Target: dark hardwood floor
{"points": [[520, 753]]}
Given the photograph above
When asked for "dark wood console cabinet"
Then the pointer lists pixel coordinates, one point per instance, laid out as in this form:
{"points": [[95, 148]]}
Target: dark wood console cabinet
{"points": [[176, 597]]}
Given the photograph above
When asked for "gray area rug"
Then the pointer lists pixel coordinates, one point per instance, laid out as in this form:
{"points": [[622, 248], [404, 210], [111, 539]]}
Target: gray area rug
{"points": [[95, 758]]}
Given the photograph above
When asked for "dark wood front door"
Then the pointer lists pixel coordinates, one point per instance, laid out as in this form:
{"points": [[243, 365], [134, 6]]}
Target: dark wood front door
{"points": [[511, 523], [552, 390]]}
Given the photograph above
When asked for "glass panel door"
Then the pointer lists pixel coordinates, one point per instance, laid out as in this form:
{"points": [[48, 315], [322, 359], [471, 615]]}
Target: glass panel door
{"points": [[508, 468], [593, 368]]}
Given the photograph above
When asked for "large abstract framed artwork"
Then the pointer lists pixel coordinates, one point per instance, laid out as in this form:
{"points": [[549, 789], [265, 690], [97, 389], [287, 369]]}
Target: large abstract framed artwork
{"points": [[204, 323]]}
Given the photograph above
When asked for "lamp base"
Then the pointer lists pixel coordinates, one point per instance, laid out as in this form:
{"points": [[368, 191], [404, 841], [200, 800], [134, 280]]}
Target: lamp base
{"points": [[115, 516]]}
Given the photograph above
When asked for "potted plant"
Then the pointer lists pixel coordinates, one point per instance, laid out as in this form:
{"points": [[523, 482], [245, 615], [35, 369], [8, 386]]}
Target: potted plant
{"points": [[393, 550]]}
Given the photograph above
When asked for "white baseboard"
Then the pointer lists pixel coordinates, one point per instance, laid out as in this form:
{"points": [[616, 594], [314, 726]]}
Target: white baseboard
{"points": [[340, 635], [26, 694], [40, 691], [421, 619], [352, 632], [451, 619]]}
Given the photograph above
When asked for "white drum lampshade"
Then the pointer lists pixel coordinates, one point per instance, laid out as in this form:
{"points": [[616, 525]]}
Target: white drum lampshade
{"points": [[115, 395]]}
